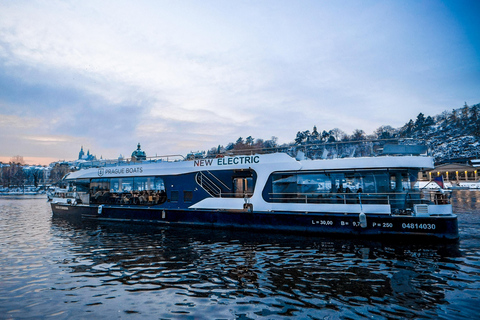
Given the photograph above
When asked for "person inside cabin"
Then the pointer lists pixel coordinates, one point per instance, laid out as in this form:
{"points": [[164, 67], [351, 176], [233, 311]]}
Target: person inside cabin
{"points": [[133, 197], [163, 196], [142, 197], [155, 197], [358, 192], [125, 198], [149, 196], [98, 194]]}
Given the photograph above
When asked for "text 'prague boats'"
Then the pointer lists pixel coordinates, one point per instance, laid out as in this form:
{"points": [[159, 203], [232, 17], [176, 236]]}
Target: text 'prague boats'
{"points": [[364, 196]]}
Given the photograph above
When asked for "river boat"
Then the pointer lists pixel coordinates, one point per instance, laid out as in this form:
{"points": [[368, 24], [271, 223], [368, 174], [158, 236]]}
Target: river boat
{"points": [[22, 191], [365, 196]]}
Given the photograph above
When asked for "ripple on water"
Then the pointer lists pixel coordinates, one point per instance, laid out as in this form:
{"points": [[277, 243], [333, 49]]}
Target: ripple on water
{"points": [[63, 270]]}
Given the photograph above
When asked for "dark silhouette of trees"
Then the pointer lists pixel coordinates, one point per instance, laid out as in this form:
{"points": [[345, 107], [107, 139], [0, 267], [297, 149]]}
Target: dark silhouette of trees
{"points": [[13, 175], [358, 134]]}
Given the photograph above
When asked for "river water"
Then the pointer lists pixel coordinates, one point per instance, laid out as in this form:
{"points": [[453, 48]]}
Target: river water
{"points": [[58, 270]]}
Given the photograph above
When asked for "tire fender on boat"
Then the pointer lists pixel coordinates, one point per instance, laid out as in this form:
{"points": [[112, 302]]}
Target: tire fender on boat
{"points": [[100, 208], [362, 217]]}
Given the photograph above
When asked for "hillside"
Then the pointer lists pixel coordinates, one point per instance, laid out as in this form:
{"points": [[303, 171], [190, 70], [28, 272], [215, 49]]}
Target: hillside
{"points": [[451, 136]]}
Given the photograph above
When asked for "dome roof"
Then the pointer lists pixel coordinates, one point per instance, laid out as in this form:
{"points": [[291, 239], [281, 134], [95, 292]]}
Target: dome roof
{"points": [[139, 154]]}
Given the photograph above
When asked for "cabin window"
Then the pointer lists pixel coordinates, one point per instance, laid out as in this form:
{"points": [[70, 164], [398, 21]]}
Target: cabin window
{"points": [[100, 184], [127, 191], [144, 183], [159, 184], [187, 196], [82, 185], [115, 185], [321, 186], [127, 184], [318, 183]]}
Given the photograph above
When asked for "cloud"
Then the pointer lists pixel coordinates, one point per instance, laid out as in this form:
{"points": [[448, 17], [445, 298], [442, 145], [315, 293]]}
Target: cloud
{"points": [[185, 75]]}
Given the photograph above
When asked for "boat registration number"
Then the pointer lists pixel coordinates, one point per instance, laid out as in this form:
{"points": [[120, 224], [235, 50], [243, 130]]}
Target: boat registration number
{"points": [[423, 226]]}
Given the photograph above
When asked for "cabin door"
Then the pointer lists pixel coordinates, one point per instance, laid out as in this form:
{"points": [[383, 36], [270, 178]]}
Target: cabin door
{"points": [[242, 186]]}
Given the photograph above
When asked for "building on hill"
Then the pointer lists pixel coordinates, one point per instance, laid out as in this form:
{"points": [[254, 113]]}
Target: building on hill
{"points": [[139, 154], [86, 157]]}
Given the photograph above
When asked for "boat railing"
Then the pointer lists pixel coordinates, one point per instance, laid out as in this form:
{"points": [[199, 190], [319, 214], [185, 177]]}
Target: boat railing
{"points": [[208, 185], [130, 161], [339, 149], [214, 177], [312, 149], [396, 200], [64, 194]]}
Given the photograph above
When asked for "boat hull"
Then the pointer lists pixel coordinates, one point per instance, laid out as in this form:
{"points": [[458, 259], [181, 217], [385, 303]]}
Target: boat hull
{"points": [[440, 227]]}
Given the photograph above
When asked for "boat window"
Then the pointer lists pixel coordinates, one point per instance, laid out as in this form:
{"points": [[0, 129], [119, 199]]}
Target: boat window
{"points": [[337, 180], [383, 182], [174, 196], [314, 182], [187, 196], [100, 184], [144, 183], [115, 185], [159, 184], [139, 190], [82, 185], [127, 184], [319, 185], [136, 184]]}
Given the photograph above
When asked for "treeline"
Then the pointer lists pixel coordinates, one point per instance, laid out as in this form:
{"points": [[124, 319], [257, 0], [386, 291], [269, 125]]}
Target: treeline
{"points": [[17, 174], [458, 122]]}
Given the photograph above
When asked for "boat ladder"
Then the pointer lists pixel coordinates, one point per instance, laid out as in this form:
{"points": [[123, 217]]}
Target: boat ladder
{"points": [[208, 185]]}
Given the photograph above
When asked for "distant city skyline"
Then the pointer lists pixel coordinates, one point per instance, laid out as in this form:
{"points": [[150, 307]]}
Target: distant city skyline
{"points": [[184, 76]]}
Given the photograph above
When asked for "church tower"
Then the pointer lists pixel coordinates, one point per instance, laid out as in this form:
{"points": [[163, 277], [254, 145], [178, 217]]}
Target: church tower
{"points": [[81, 154]]}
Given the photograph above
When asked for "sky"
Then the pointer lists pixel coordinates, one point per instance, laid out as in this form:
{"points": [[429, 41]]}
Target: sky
{"points": [[180, 76]]}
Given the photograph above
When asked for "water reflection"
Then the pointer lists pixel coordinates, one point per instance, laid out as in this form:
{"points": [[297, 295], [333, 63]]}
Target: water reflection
{"points": [[62, 270], [241, 274]]}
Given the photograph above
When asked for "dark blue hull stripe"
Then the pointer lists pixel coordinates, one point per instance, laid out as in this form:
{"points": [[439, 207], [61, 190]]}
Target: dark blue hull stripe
{"points": [[312, 223]]}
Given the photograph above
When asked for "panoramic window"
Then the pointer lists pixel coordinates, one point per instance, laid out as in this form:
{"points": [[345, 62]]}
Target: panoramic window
{"points": [[144, 183], [295, 186], [126, 191], [159, 184], [100, 184], [82, 185]]}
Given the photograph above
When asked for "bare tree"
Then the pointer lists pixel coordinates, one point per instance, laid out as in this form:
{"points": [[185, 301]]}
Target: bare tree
{"points": [[17, 160]]}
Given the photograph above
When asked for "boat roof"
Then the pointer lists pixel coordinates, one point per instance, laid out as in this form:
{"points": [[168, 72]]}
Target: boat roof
{"points": [[258, 162]]}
